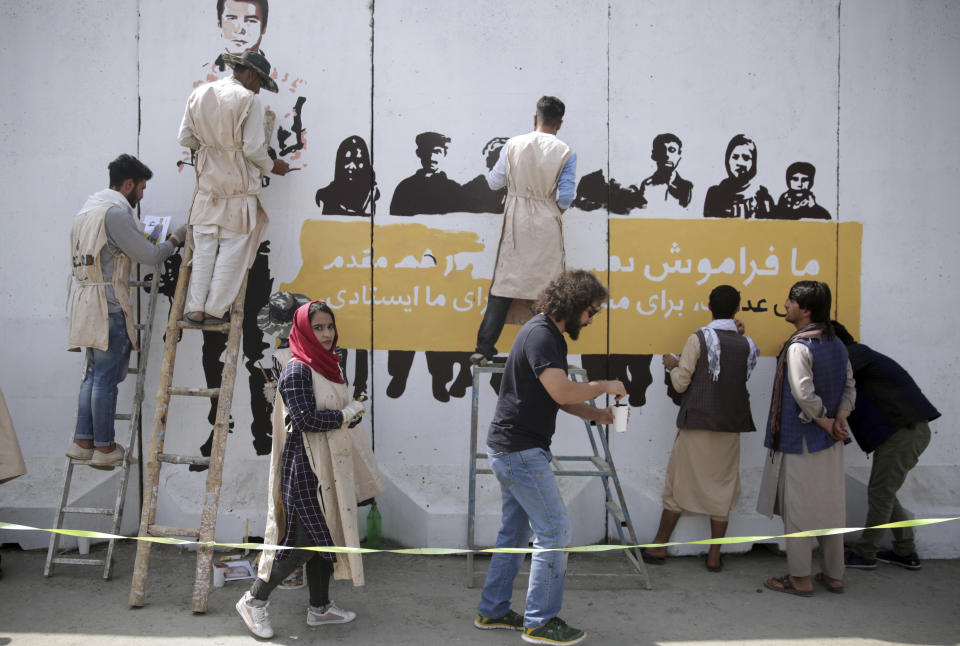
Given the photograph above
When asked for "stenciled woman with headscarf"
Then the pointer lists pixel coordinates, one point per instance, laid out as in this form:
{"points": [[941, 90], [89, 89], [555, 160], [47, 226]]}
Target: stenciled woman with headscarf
{"points": [[353, 189], [320, 467], [739, 195]]}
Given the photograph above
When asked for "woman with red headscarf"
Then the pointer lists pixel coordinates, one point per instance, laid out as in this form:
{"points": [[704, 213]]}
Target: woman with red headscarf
{"points": [[312, 494]]}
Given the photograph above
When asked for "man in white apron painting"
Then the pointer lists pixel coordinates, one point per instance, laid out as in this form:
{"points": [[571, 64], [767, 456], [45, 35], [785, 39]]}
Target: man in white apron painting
{"points": [[105, 237], [223, 122], [539, 172]]}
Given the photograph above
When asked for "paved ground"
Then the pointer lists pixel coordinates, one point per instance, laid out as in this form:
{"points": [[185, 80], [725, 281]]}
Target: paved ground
{"points": [[415, 600]]}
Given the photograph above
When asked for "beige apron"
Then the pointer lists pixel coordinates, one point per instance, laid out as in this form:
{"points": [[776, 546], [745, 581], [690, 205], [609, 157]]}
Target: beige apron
{"points": [[89, 319], [346, 471], [11, 459], [228, 185], [530, 253]]}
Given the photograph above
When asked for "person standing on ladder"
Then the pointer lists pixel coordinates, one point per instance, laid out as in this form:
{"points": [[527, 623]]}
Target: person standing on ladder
{"points": [[224, 123], [539, 172], [105, 237], [535, 385]]}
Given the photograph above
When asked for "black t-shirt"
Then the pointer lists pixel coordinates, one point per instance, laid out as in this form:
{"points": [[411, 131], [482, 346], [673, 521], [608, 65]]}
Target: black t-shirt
{"points": [[526, 414]]}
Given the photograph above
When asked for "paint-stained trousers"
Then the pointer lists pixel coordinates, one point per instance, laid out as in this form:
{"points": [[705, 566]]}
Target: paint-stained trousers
{"points": [[219, 258]]}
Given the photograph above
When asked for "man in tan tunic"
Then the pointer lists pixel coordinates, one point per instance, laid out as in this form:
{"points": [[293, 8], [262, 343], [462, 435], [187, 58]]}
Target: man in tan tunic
{"points": [[703, 475], [223, 122], [539, 172]]}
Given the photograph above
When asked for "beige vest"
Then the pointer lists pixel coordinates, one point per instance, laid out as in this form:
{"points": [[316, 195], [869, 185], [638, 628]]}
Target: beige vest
{"points": [[89, 319], [530, 254], [11, 459], [228, 186], [347, 474]]}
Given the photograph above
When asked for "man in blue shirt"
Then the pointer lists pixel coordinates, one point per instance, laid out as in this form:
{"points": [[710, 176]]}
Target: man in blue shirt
{"points": [[535, 386]]}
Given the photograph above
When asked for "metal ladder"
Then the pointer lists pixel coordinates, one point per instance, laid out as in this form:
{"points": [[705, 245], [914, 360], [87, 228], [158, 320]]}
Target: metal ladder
{"points": [[599, 466], [157, 457], [146, 333]]}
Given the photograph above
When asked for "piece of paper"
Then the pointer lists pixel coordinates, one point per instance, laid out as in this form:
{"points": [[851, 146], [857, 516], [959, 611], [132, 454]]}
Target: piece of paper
{"points": [[155, 227], [237, 570]]}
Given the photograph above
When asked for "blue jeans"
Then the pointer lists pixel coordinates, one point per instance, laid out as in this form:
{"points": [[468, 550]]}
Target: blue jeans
{"points": [[97, 403], [531, 501]]}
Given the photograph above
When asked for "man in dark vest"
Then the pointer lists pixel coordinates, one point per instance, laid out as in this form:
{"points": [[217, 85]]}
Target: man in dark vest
{"points": [[803, 477], [703, 475], [891, 422]]}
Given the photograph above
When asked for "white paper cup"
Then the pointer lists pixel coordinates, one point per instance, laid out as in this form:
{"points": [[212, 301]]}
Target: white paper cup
{"points": [[219, 571], [83, 545], [620, 413]]}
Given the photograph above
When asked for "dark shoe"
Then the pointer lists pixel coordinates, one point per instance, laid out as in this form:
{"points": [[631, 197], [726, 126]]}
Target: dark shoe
{"points": [[555, 631], [651, 559], [785, 584], [510, 621], [821, 578], [194, 318], [853, 560], [910, 561], [396, 387]]}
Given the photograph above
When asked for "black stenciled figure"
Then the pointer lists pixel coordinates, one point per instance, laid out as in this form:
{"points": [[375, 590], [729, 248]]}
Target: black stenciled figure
{"points": [[297, 129], [739, 195], [594, 192], [428, 190], [259, 284], [666, 185], [798, 201], [353, 190], [478, 197]]}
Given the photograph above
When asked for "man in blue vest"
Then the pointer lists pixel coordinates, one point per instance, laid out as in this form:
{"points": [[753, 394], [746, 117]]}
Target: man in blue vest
{"points": [[803, 478], [891, 422]]}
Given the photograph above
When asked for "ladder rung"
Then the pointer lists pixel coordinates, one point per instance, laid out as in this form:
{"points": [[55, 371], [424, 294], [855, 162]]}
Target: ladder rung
{"points": [[206, 327], [132, 371], [139, 283], [139, 326], [171, 458], [103, 511], [616, 512], [75, 561], [174, 532], [601, 464], [193, 392], [122, 416], [486, 472]]}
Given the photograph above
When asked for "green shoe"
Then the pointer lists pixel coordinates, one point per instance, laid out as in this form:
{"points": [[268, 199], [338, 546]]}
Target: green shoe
{"points": [[555, 631], [510, 621]]}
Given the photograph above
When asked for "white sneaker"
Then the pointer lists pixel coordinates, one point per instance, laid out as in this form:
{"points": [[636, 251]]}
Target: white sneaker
{"points": [[333, 615], [256, 617], [77, 452]]}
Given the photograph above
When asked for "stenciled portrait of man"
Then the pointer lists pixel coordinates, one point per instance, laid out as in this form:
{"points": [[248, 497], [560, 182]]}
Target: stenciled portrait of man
{"points": [[242, 24], [798, 201], [665, 186], [353, 190], [428, 190], [740, 195]]}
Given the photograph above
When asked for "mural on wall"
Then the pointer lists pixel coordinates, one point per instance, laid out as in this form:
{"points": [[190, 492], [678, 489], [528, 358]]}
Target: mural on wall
{"points": [[798, 201], [739, 195], [353, 190], [665, 187], [428, 190], [477, 195]]}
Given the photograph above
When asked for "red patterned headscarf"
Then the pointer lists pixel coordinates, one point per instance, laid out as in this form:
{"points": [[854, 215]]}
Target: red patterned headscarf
{"points": [[305, 347]]}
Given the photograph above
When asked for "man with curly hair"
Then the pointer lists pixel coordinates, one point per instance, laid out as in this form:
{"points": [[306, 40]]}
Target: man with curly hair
{"points": [[535, 385]]}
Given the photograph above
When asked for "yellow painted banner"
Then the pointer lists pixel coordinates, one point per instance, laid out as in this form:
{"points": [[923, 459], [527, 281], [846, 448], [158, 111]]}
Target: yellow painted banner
{"points": [[409, 286], [662, 271]]}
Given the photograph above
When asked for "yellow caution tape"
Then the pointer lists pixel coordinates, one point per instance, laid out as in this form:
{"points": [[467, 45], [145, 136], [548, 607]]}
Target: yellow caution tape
{"points": [[441, 551]]}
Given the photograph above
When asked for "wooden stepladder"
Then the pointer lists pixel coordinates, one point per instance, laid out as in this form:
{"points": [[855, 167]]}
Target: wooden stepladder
{"points": [[145, 329], [157, 457]]}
